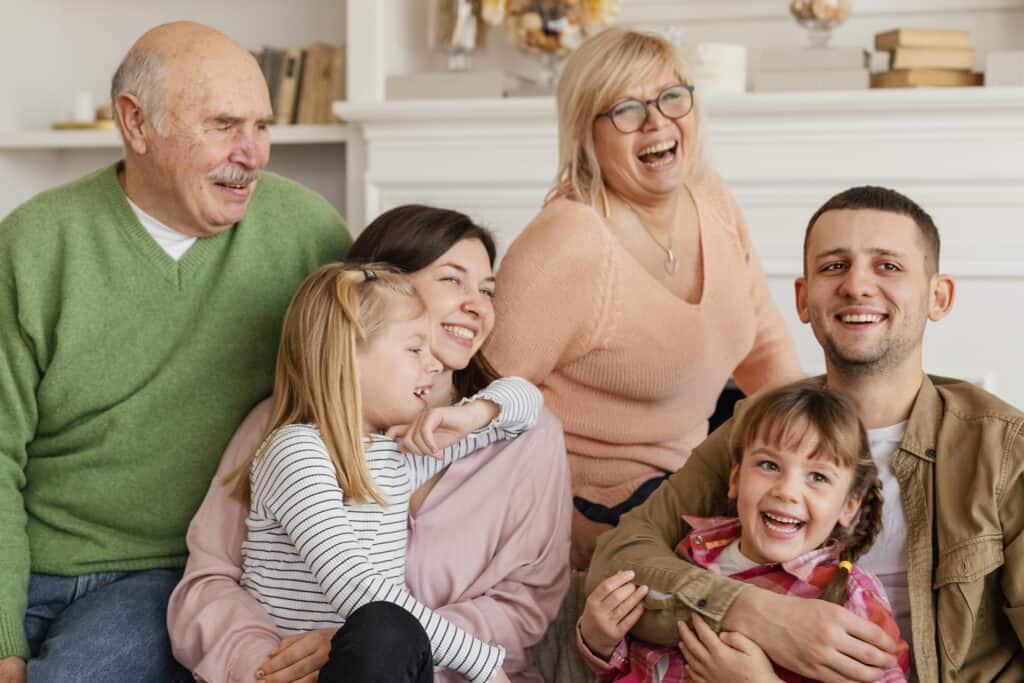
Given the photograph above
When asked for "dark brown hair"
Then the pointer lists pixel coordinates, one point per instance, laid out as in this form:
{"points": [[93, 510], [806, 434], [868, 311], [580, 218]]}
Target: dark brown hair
{"points": [[410, 238], [807, 409], [891, 201]]}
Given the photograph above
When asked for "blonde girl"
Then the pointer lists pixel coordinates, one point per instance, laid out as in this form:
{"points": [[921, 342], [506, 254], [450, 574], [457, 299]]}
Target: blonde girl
{"points": [[328, 489], [808, 503]]}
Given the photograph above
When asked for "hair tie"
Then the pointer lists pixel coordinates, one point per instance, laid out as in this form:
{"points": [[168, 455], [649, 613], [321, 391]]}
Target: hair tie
{"points": [[847, 565], [369, 276]]}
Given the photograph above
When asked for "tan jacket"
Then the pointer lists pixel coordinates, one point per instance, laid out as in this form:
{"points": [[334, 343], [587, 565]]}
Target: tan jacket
{"points": [[960, 469]]}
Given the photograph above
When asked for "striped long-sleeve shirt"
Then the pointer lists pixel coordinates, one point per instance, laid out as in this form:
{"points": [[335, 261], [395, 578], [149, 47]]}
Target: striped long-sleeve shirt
{"points": [[311, 558]]}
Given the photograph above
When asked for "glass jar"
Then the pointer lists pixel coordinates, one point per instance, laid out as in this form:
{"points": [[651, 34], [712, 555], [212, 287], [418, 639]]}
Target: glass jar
{"points": [[820, 17]]}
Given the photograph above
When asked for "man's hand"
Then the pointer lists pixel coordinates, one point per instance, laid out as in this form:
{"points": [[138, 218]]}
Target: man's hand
{"points": [[610, 611], [731, 657], [12, 670], [500, 677], [437, 428], [298, 658], [814, 638]]}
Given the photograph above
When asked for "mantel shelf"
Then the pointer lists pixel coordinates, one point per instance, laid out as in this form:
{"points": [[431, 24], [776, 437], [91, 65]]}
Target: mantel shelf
{"points": [[870, 102], [104, 139]]}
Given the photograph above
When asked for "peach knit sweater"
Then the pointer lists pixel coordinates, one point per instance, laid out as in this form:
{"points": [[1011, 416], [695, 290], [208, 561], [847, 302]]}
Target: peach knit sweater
{"points": [[631, 370]]}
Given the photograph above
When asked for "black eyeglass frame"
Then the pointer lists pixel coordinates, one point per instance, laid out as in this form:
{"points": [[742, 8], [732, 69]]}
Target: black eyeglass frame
{"points": [[646, 105]]}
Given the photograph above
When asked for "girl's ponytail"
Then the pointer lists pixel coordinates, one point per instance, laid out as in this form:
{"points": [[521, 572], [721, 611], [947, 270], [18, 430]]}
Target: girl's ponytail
{"points": [[316, 380], [858, 542]]}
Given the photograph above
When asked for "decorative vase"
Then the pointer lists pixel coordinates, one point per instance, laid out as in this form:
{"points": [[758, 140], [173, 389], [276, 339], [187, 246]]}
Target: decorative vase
{"points": [[455, 29], [819, 17], [549, 29]]}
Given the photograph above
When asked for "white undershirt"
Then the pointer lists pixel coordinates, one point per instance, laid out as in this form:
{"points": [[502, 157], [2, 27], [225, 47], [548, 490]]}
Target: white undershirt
{"points": [[887, 558], [732, 560], [169, 239]]}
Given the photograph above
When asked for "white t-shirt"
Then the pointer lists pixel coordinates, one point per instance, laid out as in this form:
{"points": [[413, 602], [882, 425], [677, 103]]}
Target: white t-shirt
{"points": [[169, 239], [887, 558]]}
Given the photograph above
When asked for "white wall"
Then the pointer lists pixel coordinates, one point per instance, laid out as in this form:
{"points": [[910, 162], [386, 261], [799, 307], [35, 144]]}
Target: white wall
{"points": [[52, 49]]}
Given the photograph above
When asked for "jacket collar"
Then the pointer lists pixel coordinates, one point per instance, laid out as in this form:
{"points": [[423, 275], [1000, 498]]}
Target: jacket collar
{"points": [[922, 433]]}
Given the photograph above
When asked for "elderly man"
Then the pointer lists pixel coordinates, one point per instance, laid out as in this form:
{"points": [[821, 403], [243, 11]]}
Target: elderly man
{"points": [[140, 308], [951, 460]]}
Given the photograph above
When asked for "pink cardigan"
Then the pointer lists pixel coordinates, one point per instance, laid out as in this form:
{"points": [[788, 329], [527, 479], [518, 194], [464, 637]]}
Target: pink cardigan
{"points": [[489, 550]]}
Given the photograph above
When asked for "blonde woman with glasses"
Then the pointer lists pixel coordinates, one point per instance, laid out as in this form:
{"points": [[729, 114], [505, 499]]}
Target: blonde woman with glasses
{"points": [[636, 293]]}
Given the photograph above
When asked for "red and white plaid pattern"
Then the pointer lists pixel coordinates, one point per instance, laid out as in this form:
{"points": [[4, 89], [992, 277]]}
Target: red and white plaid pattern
{"points": [[806, 576]]}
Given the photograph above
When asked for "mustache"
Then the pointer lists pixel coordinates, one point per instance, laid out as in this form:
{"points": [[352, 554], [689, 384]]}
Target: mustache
{"points": [[234, 175]]}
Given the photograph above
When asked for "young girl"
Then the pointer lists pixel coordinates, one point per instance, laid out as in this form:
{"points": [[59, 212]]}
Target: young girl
{"points": [[328, 490], [809, 503]]}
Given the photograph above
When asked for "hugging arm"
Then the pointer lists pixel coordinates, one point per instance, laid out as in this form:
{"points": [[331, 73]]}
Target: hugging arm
{"points": [[814, 638], [515, 607], [645, 539], [519, 403], [296, 485]]}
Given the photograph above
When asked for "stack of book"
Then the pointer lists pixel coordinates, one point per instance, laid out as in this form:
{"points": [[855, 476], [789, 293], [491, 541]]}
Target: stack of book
{"points": [[813, 68], [304, 82], [926, 57]]}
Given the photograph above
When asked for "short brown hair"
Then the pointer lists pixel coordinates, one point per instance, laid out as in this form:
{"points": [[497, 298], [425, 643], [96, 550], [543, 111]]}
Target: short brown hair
{"points": [[891, 201]]}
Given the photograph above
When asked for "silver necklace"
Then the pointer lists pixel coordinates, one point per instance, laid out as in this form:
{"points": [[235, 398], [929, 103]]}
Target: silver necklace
{"points": [[671, 260]]}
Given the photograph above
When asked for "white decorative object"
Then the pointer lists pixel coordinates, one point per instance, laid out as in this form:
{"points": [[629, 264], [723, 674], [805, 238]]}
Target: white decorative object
{"points": [[84, 110], [717, 68]]}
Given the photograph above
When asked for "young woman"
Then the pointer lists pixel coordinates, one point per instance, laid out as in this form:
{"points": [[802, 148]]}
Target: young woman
{"points": [[502, 577], [328, 489]]}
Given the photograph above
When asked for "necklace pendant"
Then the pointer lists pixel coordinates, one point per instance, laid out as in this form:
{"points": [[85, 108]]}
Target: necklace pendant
{"points": [[671, 262]]}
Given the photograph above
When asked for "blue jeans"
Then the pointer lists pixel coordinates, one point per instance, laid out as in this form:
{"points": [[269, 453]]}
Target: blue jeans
{"points": [[108, 626]]}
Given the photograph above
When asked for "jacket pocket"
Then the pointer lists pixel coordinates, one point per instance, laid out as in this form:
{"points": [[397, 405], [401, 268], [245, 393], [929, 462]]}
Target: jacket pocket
{"points": [[960, 592]]}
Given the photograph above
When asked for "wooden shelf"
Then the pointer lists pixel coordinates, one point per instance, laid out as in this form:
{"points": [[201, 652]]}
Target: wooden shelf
{"points": [[103, 139]]}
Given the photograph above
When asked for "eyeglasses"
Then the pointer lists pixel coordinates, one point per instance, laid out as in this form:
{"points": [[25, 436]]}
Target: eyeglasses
{"points": [[629, 116]]}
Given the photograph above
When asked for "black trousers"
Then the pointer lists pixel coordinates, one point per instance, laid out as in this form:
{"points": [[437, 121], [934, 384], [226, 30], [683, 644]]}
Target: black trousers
{"points": [[379, 643]]}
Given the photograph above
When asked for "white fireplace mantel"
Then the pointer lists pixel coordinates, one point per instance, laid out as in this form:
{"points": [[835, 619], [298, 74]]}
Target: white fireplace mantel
{"points": [[960, 153]]}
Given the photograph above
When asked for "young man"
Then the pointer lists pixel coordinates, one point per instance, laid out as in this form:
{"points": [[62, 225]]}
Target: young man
{"points": [[951, 456], [141, 309]]}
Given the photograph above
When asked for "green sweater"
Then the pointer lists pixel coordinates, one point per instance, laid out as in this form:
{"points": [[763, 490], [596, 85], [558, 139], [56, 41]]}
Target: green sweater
{"points": [[124, 373]]}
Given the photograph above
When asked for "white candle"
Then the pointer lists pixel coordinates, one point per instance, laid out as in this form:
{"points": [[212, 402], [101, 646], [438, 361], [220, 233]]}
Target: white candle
{"points": [[85, 110]]}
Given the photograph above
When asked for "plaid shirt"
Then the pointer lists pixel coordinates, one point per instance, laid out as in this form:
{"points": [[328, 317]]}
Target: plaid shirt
{"points": [[806, 576]]}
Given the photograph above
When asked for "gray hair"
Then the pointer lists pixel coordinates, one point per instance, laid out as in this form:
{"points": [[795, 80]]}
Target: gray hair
{"points": [[142, 74]]}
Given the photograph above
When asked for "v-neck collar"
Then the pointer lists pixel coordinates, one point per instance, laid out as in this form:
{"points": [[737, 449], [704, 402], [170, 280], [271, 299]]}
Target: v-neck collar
{"points": [[173, 272], [646, 273]]}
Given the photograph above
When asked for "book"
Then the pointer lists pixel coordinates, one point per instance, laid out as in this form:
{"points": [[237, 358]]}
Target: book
{"points": [[270, 64], [452, 84], [932, 58], [812, 79], [322, 82], [286, 86], [921, 37], [910, 78], [801, 59]]}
